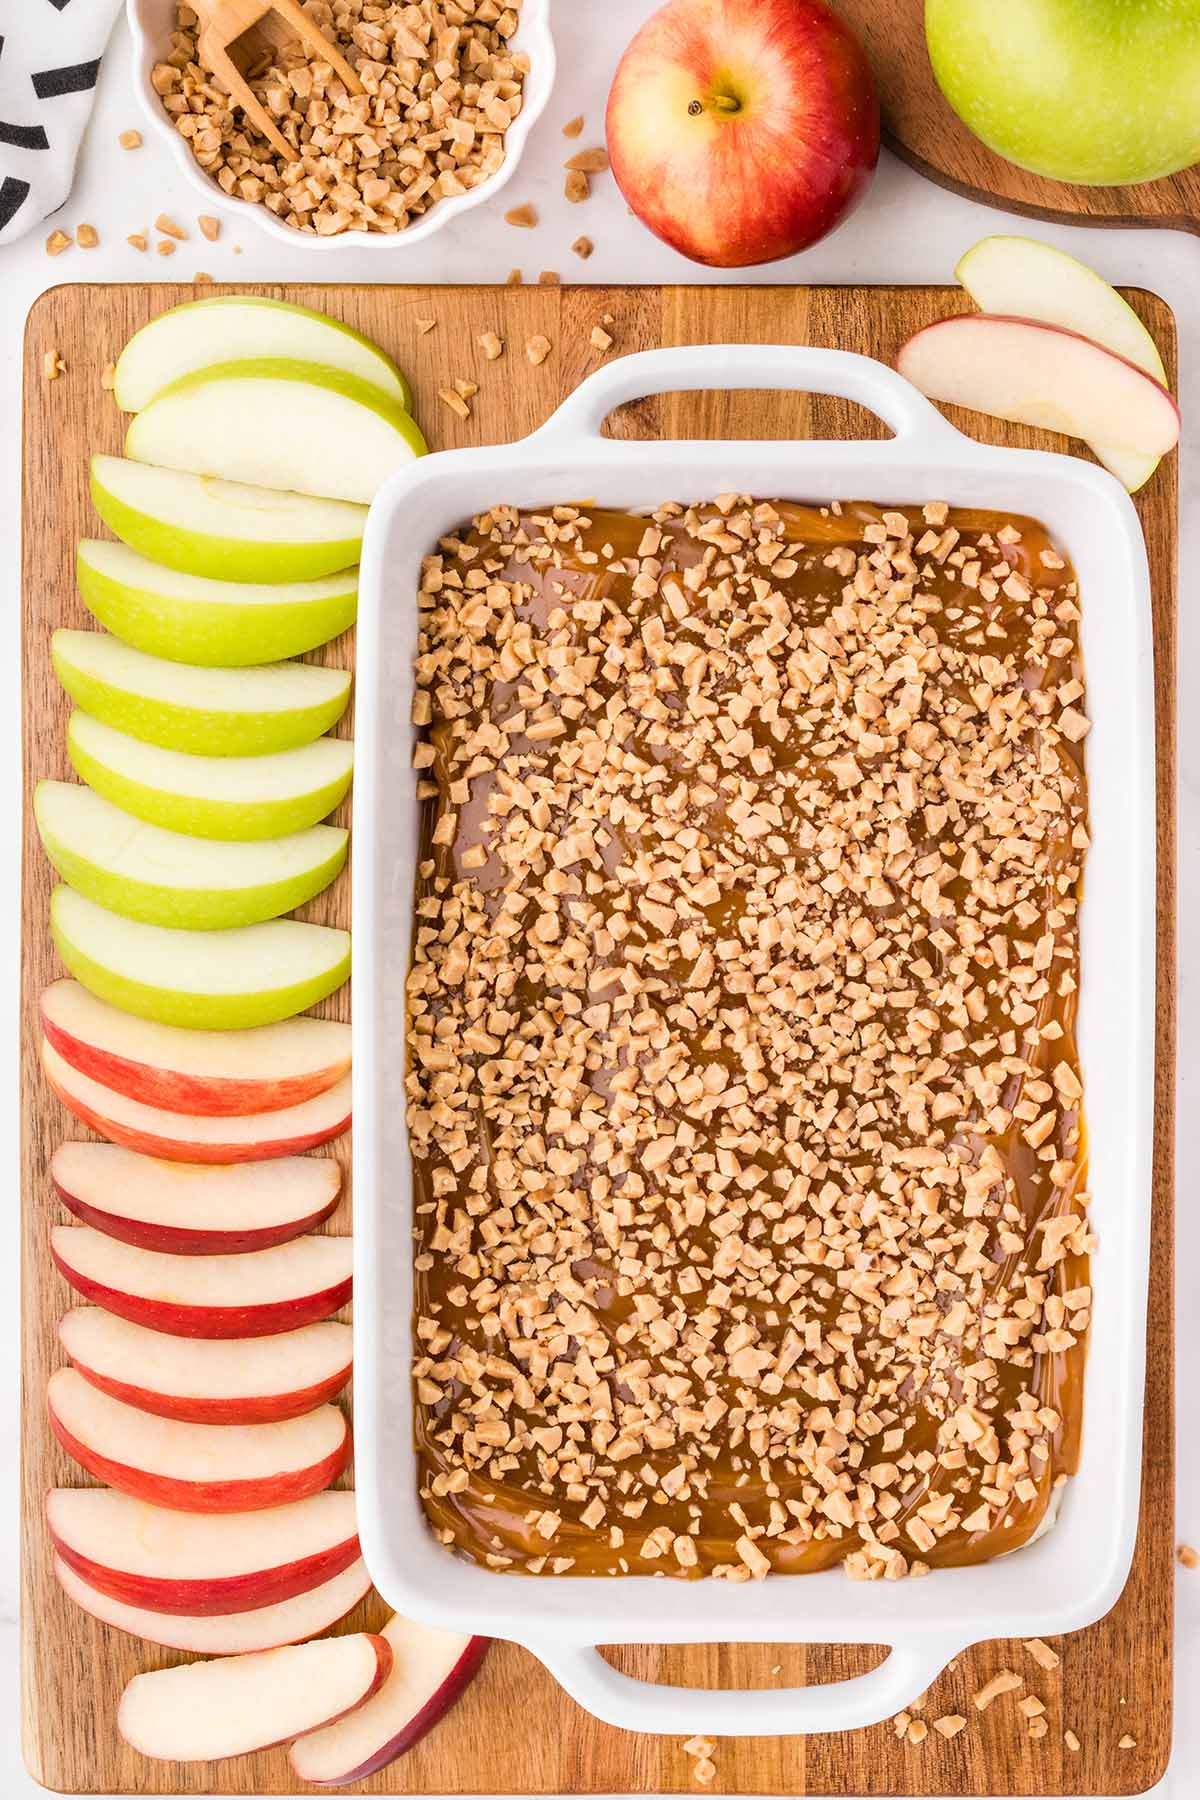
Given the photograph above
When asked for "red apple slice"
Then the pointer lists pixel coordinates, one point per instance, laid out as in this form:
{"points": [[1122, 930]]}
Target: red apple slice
{"points": [[209, 1381], [194, 1209], [201, 1563], [196, 1468], [226, 1634], [430, 1669], [186, 1137], [254, 1295], [214, 1073], [201, 1711], [1043, 376]]}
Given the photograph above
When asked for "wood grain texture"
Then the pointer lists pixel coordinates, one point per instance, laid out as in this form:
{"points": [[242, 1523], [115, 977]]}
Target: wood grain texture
{"points": [[515, 1732], [922, 127]]}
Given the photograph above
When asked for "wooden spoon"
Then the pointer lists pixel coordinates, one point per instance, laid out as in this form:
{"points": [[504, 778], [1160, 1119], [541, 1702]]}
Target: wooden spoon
{"points": [[222, 22]]}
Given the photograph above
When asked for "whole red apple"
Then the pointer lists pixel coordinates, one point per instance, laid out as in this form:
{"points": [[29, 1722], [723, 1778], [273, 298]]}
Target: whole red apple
{"points": [[740, 131]]}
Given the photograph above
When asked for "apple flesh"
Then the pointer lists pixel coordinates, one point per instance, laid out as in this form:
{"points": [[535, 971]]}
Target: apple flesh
{"points": [[1017, 277], [212, 1073], [236, 326], [224, 529], [212, 980], [191, 1209], [218, 624], [201, 1564], [210, 712], [209, 1381], [740, 131], [212, 796], [292, 1621], [430, 1669], [167, 878], [1089, 91], [1037, 375], [251, 1295], [201, 1711], [278, 424], [196, 1468], [189, 1137]]}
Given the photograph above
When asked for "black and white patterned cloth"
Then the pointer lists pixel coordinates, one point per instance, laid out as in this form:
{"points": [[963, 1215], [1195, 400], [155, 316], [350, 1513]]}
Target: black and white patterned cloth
{"points": [[50, 54]]}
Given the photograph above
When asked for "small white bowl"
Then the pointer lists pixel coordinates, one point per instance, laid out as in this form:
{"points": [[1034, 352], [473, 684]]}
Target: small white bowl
{"points": [[152, 22]]}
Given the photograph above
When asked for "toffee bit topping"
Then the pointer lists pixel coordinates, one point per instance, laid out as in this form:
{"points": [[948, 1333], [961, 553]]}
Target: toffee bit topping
{"points": [[743, 1092], [441, 85], [1005, 1682]]}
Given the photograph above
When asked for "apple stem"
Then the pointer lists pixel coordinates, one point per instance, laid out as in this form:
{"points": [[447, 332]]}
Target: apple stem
{"points": [[728, 103]]}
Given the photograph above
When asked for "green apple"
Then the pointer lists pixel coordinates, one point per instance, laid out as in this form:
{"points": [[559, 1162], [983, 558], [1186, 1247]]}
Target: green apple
{"points": [[167, 878], [1021, 279], [237, 326], [279, 424], [225, 529], [212, 796], [1090, 91], [209, 712], [221, 624], [212, 980]]}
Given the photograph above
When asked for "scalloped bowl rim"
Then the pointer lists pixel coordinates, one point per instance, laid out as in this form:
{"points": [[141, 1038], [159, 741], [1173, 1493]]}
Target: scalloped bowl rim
{"points": [[533, 35]]}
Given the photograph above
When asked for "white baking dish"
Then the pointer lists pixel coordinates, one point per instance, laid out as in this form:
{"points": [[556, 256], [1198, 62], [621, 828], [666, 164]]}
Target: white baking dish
{"points": [[1073, 1573], [151, 23]]}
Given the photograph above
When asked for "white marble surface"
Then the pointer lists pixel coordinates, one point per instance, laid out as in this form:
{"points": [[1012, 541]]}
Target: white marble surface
{"points": [[906, 231]]}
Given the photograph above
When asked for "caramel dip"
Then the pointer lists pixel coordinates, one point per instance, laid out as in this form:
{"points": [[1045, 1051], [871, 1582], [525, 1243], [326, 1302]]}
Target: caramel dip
{"points": [[743, 1092]]}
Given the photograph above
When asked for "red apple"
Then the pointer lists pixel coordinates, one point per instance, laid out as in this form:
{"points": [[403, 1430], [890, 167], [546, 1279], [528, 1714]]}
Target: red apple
{"points": [[430, 1669], [197, 1712], [201, 1563], [741, 131], [217, 1073], [253, 1295], [291, 1621], [196, 1468], [209, 1381], [191, 1137], [194, 1209]]}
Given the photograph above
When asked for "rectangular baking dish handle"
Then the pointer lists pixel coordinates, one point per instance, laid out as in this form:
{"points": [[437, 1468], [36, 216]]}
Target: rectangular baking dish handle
{"points": [[633, 1705], [803, 367]]}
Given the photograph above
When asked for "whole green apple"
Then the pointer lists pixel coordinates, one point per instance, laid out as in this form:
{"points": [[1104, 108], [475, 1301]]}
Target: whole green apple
{"points": [[1091, 91]]}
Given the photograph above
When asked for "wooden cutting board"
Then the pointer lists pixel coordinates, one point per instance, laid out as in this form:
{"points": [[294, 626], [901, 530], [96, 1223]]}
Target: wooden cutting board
{"points": [[922, 127], [514, 1732]]}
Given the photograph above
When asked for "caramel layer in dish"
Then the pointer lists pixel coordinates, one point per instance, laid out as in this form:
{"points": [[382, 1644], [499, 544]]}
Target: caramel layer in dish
{"points": [[743, 1090]]}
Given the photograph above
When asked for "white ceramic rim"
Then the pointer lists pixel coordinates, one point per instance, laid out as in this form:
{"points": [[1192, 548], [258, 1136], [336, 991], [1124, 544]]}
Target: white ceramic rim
{"points": [[1075, 1572], [149, 30]]}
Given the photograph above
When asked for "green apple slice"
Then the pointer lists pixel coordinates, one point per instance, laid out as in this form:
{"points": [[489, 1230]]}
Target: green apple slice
{"points": [[166, 878], [213, 980], [279, 424], [242, 797], [236, 326], [221, 624], [225, 529], [1023, 279], [210, 712]]}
